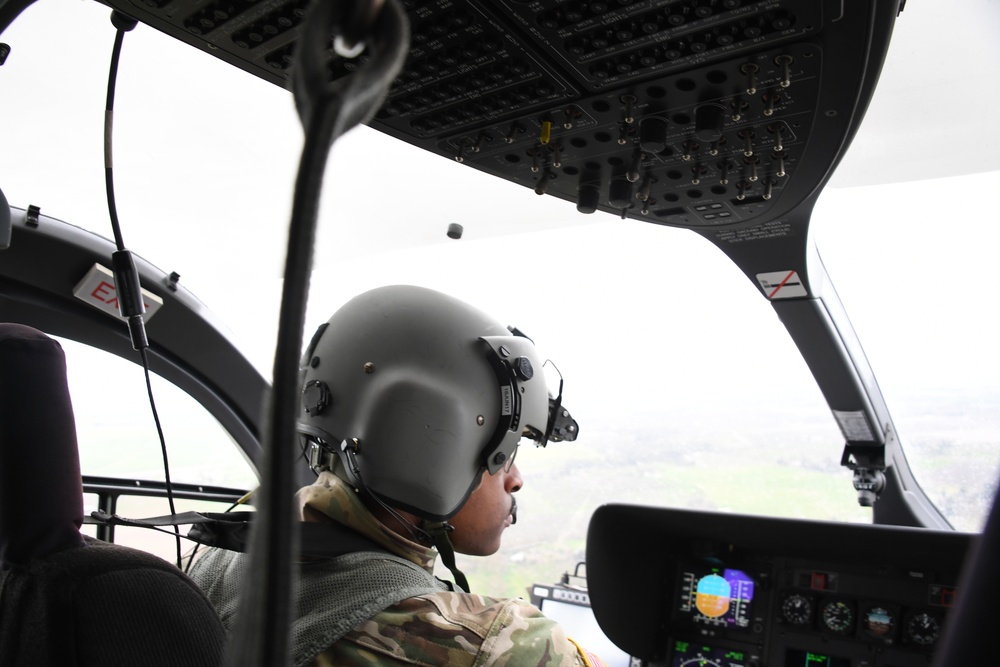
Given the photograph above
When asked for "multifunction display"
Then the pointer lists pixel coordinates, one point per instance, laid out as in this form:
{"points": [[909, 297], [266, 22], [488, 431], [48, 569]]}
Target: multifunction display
{"points": [[716, 596]]}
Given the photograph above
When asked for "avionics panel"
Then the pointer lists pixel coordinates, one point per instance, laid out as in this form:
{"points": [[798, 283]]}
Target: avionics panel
{"points": [[705, 114], [739, 591]]}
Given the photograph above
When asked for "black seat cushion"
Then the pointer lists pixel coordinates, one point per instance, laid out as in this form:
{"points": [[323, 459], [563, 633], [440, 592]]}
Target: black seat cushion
{"points": [[66, 599], [109, 605]]}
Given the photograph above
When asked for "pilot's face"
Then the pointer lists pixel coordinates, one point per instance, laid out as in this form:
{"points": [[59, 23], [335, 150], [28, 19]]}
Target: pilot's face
{"points": [[479, 525]]}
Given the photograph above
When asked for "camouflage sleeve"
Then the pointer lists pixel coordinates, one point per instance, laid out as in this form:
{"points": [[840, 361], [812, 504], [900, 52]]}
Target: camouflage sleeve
{"points": [[459, 630], [522, 635]]}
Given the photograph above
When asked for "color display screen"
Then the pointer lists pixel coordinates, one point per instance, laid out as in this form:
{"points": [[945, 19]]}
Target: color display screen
{"points": [[717, 596]]}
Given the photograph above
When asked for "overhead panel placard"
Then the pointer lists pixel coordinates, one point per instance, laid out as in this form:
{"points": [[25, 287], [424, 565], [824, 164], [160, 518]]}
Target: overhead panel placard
{"points": [[782, 285]]}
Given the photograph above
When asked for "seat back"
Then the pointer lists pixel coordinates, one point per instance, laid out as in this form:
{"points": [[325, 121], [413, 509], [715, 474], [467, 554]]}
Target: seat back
{"points": [[967, 637], [67, 599], [41, 494]]}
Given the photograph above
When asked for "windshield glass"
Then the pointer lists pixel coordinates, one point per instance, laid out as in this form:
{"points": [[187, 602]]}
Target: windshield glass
{"points": [[688, 390], [923, 302]]}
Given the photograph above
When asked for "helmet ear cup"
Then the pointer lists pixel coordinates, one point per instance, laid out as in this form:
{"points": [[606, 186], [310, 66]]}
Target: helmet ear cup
{"points": [[415, 436]]}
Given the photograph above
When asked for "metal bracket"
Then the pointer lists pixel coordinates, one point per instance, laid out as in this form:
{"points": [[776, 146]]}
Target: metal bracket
{"points": [[31, 216], [868, 463], [320, 457]]}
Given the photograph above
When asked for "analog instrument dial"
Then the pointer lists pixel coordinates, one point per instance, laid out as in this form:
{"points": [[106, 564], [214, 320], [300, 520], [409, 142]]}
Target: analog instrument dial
{"points": [[879, 622], [796, 609], [837, 616], [923, 629]]}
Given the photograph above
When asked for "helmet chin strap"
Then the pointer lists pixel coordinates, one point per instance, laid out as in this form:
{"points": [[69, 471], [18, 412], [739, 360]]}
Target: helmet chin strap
{"points": [[438, 530]]}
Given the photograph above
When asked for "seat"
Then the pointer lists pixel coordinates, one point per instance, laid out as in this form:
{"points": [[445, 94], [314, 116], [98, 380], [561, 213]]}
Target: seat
{"points": [[66, 598], [967, 637]]}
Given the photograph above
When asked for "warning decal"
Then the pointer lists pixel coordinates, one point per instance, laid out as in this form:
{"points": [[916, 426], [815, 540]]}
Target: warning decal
{"points": [[98, 289], [782, 284]]}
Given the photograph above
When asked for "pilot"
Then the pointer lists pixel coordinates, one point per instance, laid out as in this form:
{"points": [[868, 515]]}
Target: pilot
{"points": [[413, 407]]}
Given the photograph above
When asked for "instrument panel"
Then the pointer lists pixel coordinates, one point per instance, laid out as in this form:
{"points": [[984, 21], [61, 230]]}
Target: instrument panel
{"points": [[719, 590]]}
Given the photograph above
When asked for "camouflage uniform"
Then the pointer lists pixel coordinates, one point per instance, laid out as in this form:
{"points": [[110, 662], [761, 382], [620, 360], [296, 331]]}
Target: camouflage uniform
{"points": [[443, 628]]}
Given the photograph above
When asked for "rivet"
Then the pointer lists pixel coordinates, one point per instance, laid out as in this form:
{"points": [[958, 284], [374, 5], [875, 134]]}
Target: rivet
{"points": [[314, 362], [369, 367], [480, 420]]}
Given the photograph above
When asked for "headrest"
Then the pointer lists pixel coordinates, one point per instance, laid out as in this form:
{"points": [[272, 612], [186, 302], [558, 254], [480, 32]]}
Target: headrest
{"points": [[5, 222], [41, 493]]}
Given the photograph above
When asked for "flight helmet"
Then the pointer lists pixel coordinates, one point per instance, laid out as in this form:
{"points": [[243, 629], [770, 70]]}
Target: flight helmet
{"points": [[417, 393]]}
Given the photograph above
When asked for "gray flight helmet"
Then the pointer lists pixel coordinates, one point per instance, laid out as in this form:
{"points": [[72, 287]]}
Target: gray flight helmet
{"points": [[418, 393]]}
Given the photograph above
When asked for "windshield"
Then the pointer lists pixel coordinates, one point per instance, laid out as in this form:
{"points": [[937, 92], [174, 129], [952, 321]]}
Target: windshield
{"points": [[688, 390]]}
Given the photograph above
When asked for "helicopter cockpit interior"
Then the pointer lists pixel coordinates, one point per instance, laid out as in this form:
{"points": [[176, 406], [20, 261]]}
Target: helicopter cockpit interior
{"points": [[724, 119]]}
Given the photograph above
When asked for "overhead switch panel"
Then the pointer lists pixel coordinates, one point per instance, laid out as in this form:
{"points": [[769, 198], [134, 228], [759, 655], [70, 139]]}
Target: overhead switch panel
{"points": [[692, 113]]}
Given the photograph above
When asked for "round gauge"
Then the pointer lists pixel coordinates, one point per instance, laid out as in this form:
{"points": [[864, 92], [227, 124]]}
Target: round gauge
{"points": [[923, 629], [879, 622], [837, 616], [796, 609]]}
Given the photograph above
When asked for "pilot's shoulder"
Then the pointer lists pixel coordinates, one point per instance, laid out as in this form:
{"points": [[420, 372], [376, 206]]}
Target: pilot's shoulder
{"points": [[456, 628]]}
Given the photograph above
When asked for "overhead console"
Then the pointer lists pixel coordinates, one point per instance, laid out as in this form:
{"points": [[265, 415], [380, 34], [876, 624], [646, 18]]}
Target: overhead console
{"points": [[679, 588], [704, 114]]}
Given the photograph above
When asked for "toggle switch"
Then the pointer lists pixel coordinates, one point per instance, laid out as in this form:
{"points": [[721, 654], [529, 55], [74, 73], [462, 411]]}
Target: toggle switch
{"points": [[778, 130], [746, 134], [725, 168], [482, 138], [785, 62], [750, 69], [629, 102], [768, 188], [515, 129], [742, 188], [546, 133], [697, 171], [770, 101], [738, 107], [556, 155], [689, 147], [571, 113], [645, 187], [634, 166], [779, 156], [543, 183]]}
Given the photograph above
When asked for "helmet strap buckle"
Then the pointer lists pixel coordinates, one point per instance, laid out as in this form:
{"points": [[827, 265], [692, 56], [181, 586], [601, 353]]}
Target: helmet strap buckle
{"points": [[320, 457], [438, 530]]}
